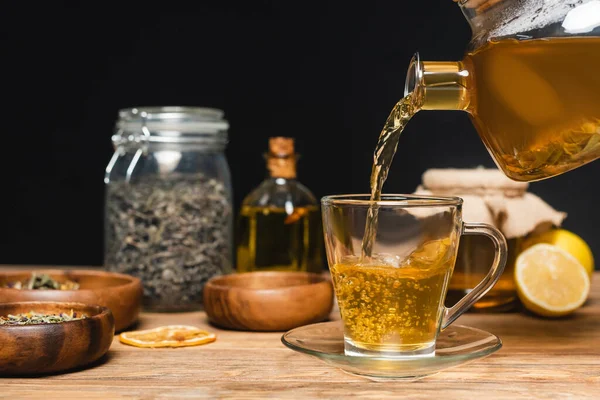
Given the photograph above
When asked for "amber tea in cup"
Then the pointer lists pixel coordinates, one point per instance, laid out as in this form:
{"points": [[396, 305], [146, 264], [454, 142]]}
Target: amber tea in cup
{"points": [[394, 307], [392, 303]]}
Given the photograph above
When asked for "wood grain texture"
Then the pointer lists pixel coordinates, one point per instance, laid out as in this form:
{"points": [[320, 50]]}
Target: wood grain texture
{"points": [[49, 348], [268, 301], [541, 358], [122, 294]]}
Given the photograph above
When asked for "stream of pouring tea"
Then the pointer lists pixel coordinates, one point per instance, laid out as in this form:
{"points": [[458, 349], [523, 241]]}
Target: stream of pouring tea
{"points": [[382, 159]]}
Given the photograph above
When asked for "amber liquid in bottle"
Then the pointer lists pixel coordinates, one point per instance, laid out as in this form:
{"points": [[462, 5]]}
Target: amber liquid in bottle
{"points": [[536, 104], [279, 226], [274, 240]]}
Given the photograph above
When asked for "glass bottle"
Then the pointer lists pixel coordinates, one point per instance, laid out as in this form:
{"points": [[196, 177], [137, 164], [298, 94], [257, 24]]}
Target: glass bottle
{"points": [[279, 226], [529, 82]]}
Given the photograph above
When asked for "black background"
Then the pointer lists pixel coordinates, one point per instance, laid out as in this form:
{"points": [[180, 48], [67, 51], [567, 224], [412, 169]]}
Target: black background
{"points": [[326, 73]]}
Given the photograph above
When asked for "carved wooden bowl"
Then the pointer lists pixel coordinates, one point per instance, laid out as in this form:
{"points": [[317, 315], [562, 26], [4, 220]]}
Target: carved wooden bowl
{"points": [[50, 348], [267, 301], [122, 294]]}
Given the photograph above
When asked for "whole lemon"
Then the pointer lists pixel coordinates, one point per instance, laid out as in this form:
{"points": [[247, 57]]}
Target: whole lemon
{"points": [[567, 241]]}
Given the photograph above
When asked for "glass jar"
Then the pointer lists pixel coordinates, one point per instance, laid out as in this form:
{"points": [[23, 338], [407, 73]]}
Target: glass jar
{"points": [[492, 198], [168, 203]]}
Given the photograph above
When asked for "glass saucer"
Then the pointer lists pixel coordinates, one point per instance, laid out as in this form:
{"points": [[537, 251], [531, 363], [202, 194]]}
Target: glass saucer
{"points": [[456, 345]]}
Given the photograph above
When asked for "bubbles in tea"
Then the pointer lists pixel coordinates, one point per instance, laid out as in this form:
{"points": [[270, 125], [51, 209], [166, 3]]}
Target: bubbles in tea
{"points": [[387, 308]]}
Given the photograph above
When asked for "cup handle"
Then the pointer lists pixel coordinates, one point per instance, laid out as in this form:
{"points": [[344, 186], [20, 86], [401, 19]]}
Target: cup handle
{"points": [[501, 251]]}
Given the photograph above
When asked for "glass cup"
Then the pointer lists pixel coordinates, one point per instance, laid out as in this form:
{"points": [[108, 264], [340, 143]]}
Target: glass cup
{"points": [[392, 303]]}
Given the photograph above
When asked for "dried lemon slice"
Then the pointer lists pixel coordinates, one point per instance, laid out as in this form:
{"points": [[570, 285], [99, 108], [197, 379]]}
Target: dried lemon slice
{"points": [[168, 336]]}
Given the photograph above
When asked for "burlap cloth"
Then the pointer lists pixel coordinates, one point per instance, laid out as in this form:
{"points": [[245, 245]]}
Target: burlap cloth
{"points": [[490, 197]]}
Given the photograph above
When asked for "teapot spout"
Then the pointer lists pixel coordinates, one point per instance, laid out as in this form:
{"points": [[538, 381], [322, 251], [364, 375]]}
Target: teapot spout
{"points": [[438, 85]]}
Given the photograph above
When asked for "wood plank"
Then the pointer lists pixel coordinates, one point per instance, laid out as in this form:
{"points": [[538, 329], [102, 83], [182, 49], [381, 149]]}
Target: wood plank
{"points": [[541, 358]]}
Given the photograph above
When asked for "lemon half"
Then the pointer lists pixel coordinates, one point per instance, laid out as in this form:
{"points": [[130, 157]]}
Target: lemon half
{"points": [[569, 242], [550, 281]]}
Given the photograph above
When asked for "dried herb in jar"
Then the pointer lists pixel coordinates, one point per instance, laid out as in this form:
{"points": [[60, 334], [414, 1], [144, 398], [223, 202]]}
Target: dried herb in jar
{"points": [[33, 318], [173, 232], [42, 282]]}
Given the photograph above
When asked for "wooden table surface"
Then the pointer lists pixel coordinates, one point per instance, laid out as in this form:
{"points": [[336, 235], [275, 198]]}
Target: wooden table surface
{"points": [[541, 358]]}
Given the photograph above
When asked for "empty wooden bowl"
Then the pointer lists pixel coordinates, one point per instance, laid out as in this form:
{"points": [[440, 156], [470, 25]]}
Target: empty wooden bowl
{"points": [[267, 301], [49, 348], [122, 294]]}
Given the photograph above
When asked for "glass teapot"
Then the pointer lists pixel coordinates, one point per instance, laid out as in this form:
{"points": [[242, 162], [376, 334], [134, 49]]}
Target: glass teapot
{"points": [[530, 82]]}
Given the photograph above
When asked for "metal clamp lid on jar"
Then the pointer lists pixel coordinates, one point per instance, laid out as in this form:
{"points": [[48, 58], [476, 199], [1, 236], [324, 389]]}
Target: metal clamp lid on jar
{"points": [[140, 126]]}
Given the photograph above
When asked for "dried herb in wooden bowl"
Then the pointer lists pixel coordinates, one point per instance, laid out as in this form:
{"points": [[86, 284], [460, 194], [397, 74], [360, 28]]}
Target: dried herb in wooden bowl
{"points": [[33, 318], [42, 282]]}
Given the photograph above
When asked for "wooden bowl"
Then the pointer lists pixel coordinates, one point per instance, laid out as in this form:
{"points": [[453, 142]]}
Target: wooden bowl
{"points": [[267, 301], [48, 348], [122, 294]]}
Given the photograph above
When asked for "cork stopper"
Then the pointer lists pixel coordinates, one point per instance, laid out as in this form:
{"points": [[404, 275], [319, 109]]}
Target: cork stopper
{"points": [[281, 159], [281, 146]]}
